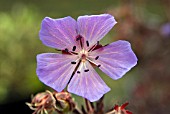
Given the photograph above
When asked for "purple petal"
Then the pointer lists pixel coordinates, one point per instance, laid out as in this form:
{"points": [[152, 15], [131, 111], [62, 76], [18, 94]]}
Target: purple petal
{"points": [[94, 27], [59, 33], [88, 84], [55, 70], [165, 30], [115, 59]]}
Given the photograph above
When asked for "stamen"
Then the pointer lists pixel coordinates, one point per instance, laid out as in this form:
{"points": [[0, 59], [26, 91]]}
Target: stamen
{"points": [[79, 37], [73, 62], [94, 46], [92, 61], [74, 53], [78, 72], [70, 52], [86, 70], [84, 65], [98, 65], [97, 42], [80, 67], [74, 70], [74, 48], [96, 57], [66, 50], [87, 43]]}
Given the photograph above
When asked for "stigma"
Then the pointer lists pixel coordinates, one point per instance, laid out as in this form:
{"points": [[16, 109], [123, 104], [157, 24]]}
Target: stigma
{"points": [[83, 54]]}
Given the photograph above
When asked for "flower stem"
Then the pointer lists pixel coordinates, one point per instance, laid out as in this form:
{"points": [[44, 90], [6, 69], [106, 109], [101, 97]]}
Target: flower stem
{"points": [[89, 107], [77, 111]]}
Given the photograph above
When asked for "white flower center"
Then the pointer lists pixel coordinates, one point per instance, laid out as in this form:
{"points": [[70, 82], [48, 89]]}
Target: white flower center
{"points": [[83, 55]]}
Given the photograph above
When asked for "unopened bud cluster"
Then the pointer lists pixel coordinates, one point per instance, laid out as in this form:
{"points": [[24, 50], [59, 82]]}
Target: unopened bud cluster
{"points": [[48, 102]]}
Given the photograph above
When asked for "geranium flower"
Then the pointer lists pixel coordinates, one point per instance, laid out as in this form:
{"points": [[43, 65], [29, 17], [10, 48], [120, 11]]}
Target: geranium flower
{"points": [[79, 42]]}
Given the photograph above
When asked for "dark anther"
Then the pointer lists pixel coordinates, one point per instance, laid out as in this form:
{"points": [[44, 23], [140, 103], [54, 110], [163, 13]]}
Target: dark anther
{"points": [[74, 48], [78, 37], [98, 65], [86, 70], [97, 42], [73, 62], [66, 50], [78, 72], [87, 43], [96, 57]]}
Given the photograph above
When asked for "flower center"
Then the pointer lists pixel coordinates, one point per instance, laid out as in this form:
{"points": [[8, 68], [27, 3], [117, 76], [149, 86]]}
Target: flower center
{"points": [[83, 55]]}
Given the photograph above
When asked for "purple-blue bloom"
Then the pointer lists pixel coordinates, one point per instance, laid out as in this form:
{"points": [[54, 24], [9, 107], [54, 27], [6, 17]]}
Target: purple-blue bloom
{"points": [[165, 30], [79, 42]]}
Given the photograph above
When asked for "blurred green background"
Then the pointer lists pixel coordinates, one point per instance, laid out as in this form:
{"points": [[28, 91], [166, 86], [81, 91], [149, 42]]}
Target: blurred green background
{"points": [[144, 23]]}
